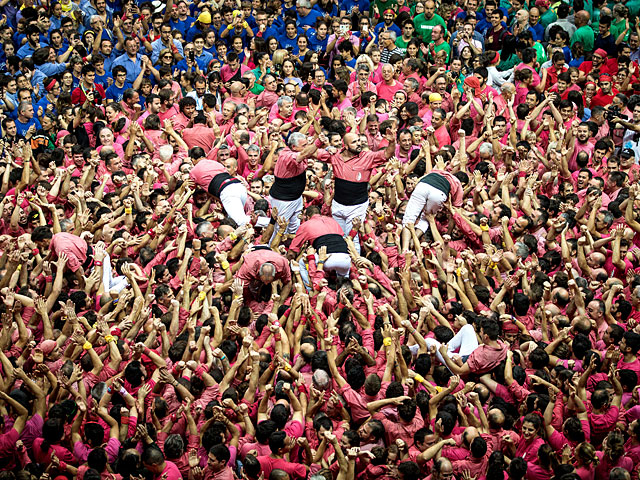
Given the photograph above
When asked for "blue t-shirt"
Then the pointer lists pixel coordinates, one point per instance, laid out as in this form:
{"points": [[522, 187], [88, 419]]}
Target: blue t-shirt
{"points": [[182, 25], [316, 44], [115, 93], [310, 19], [23, 127], [104, 79]]}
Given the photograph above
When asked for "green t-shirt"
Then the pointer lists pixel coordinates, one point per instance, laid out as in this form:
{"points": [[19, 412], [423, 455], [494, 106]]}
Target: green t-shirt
{"points": [[383, 5], [443, 46], [509, 63], [401, 44], [542, 55], [634, 7], [548, 17], [585, 35], [617, 28], [424, 26]]}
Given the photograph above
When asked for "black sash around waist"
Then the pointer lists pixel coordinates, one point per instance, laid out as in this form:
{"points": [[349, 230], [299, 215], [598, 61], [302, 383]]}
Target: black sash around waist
{"points": [[351, 193], [335, 243], [438, 181], [220, 182], [288, 189]]}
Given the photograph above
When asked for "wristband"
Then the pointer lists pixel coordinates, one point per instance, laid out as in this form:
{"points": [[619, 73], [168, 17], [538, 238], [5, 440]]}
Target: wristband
{"points": [[87, 345], [484, 228], [19, 267], [128, 211], [353, 233], [48, 279], [381, 218], [224, 265], [151, 233], [98, 263], [223, 357], [109, 390], [278, 337], [419, 378], [233, 236], [287, 367], [124, 420], [340, 306], [35, 252], [62, 465], [123, 392], [202, 296], [386, 341], [108, 338]]}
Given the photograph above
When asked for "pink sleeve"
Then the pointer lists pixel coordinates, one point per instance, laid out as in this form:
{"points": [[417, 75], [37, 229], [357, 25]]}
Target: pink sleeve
{"points": [[157, 260], [558, 414], [379, 275], [367, 341], [466, 229], [133, 424], [518, 391]]}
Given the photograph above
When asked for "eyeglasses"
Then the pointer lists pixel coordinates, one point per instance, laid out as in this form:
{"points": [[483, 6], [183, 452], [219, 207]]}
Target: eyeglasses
{"points": [[167, 56]]}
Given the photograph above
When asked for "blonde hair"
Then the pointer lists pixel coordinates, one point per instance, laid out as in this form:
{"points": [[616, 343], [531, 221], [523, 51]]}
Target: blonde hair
{"points": [[279, 57], [366, 59], [587, 454]]}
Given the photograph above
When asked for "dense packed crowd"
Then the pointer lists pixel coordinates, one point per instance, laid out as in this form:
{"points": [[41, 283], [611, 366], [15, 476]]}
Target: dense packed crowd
{"points": [[334, 240]]}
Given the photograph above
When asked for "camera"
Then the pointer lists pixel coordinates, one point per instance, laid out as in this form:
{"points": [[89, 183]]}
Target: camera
{"points": [[614, 112], [192, 55]]}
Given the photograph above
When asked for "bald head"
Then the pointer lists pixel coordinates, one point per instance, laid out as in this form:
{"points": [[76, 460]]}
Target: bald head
{"points": [[236, 87], [496, 418], [582, 18]]}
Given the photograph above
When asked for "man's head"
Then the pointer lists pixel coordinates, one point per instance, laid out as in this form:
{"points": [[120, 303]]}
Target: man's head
{"points": [[131, 46], [267, 273], [218, 458], [429, 9], [437, 33], [25, 110], [353, 143]]}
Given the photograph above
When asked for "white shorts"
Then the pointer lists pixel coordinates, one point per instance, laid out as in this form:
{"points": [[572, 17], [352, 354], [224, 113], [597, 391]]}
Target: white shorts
{"points": [[290, 210], [233, 197], [344, 215], [425, 199]]}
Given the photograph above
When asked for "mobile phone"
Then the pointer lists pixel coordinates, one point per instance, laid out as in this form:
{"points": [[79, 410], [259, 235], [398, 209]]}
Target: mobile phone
{"points": [[365, 29], [290, 49], [343, 29], [192, 55]]}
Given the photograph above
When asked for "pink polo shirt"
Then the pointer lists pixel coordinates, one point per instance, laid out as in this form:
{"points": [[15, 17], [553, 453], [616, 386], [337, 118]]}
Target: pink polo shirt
{"points": [[205, 171], [72, 246]]}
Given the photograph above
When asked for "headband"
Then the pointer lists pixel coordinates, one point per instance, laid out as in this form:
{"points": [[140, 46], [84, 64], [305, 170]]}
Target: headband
{"points": [[50, 86]]}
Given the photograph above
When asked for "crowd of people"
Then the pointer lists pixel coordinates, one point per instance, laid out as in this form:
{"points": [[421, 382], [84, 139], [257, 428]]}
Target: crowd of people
{"points": [[334, 240]]}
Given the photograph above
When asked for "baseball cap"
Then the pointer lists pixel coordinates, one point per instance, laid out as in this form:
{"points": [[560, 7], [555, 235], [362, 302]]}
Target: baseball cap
{"points": [[627, 152], [204, 17]]}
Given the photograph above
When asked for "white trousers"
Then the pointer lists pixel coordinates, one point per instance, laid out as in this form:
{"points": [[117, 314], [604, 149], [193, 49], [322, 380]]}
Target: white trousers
{"points": [[344, 215], [425, 199], [233, 198], [290, 210], [464, 342], [110, 282], [336, 262]]}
